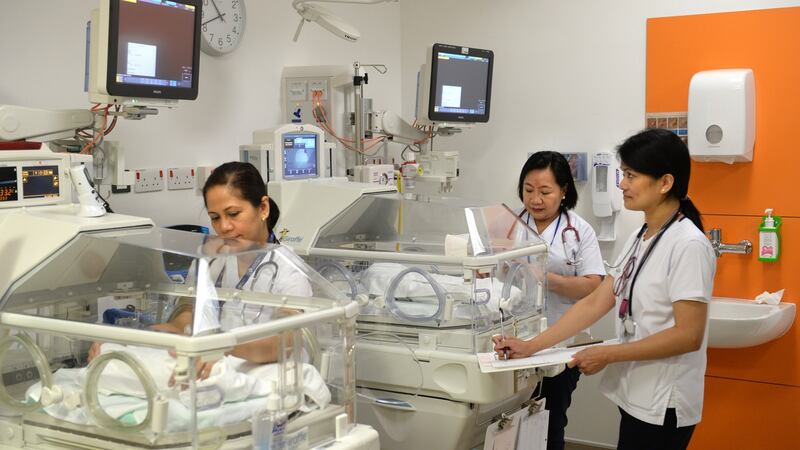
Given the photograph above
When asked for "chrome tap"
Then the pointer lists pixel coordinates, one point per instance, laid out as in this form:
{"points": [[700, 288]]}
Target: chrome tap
{"points": [[744, 247]]}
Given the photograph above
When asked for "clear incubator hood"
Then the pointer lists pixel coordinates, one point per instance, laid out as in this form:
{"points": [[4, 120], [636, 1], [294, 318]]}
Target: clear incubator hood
{"points": [[166, 339], [415, 263]]}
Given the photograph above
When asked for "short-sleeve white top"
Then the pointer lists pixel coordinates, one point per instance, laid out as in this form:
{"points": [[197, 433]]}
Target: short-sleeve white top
{"points": [[680, 267], [587, 254], [287, 280]]}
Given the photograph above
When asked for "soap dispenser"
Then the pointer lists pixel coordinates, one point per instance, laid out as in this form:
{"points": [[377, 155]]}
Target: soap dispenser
{"points": [[769, 248]]}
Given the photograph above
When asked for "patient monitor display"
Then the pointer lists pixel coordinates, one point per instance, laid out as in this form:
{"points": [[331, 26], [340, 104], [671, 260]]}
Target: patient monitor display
{"points": [[40, 182], [153, 48], [460, 84], [300, 156], [8, 184], [30, 183]]}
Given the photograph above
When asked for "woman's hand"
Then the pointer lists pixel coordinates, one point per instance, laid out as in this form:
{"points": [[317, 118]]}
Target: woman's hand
{"points": [[94, 351], [202, 369], [591, 360], [166, 327], [509, 347]]}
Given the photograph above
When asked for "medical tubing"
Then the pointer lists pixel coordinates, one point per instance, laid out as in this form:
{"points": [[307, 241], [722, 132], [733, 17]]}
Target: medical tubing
{"points": [[312, 345], [410, 350], [515, 269], [39, 360], [391, 304], [92, 382], [344, 272]]}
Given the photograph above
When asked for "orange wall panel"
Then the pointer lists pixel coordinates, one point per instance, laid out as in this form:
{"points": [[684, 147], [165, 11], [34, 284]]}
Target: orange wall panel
{"points": [[752, 397], [768, 41], [768, 414]]}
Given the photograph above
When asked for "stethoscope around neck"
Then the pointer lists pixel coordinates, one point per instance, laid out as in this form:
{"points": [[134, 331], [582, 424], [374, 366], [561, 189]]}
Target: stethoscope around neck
{"points": [[630, 274], [571, 256], [256, 271]]}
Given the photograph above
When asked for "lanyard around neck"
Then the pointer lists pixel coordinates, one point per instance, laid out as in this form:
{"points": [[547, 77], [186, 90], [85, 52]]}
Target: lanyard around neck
{"points": [[646, 255], [555, 232]]}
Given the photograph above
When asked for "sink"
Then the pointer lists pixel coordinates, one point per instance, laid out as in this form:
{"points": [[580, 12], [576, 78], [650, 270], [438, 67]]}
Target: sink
{"points": [[737, 323]]}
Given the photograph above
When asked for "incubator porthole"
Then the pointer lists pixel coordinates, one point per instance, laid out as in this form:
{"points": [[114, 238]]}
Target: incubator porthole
{"points": [[15, 397], [129, 373]]}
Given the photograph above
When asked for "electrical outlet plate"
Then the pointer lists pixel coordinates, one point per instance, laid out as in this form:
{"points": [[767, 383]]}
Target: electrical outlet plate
{"points": [[181, 178], [148, 180]]}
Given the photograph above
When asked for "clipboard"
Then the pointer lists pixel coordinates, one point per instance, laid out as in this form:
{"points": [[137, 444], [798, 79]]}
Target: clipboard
{"points": [[525, 429], [489, 363]]}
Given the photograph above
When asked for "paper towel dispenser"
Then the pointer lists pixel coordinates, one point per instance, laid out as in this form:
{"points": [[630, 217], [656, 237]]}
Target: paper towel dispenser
{"points": [[722, 105]]}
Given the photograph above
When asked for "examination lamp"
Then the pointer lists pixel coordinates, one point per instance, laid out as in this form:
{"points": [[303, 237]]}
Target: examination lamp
{"points": [[326, 19]]}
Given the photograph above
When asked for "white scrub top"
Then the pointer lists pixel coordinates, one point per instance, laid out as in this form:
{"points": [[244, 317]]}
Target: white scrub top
{"points": [[680, 267], [587, 252], [288, 280]]}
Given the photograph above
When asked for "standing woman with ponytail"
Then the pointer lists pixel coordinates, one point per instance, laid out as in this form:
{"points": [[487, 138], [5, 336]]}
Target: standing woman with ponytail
{"points": [[659, 289]]}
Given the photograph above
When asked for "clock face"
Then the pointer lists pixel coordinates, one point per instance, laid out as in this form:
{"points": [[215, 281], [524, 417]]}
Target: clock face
{"points": [[222, 25]]}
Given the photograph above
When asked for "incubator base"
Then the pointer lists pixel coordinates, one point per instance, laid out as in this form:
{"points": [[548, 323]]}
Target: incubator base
{"points": [[39, 431], [432, 422]]}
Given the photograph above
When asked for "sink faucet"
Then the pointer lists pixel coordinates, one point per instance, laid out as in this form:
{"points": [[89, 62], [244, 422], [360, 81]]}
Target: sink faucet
{"points": [[744, 247]]}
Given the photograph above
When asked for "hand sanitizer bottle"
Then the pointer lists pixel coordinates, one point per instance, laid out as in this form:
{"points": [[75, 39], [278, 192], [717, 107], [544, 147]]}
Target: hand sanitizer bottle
{"points": [[268, 426], [769, 249]]}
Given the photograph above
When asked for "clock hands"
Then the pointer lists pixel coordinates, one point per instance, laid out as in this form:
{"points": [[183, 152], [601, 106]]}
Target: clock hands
{"points": [[219, 14], [215, 18]]}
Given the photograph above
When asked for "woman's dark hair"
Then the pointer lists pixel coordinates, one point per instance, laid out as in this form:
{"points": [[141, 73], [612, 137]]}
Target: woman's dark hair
{"points": [[558, 164], [245, 178], [657, 152]]}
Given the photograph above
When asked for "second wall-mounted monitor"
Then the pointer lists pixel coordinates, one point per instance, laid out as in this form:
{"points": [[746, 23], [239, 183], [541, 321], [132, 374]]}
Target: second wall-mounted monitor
{"points": [[455, 85], [145, 49]]}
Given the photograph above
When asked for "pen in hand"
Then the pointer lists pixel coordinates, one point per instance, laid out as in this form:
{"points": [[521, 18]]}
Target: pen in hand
{"points": [[503, 333]]}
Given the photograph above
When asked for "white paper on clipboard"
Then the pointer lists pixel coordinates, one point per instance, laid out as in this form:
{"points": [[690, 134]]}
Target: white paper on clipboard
{"points": [[526, 429], [489, 363], [532, 434], [504, 438]]}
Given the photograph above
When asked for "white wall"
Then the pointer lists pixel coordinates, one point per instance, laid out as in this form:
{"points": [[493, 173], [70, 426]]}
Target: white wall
{"points": [[42, 49], [568, 76]]}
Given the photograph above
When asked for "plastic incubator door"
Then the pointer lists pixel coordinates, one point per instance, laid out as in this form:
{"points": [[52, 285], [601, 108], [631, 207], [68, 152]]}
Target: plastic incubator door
{"points": [[168, 339]]}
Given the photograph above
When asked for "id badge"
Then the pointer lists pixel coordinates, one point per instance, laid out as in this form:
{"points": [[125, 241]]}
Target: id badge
{"points": [[628, 327]]}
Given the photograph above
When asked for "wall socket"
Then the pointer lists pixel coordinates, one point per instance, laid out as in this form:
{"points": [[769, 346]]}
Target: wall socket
{"points": [[181, 178], [148, 180]]}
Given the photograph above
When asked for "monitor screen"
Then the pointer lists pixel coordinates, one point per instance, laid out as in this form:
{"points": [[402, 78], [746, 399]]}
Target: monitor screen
{"points": [[40, 182], [153, 48], [461, 84], [300, 156], [8, 184]]}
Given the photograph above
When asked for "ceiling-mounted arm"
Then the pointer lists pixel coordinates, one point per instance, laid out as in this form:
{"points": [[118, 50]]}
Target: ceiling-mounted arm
{"points": [[328, 20]]}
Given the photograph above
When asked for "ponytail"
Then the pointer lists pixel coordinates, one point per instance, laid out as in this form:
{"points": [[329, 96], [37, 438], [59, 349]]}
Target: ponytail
{"points": [[691, 212], [272, 220]]}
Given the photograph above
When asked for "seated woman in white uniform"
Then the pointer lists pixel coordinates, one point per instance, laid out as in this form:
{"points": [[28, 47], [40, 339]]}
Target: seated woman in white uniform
{"points": [[659, 288], [241, 213], [242, 216], [574, 264]]}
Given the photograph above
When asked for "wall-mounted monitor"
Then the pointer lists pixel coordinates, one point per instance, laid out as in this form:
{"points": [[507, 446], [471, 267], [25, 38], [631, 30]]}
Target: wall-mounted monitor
{"points": [[148, 49], [456, 85]]}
